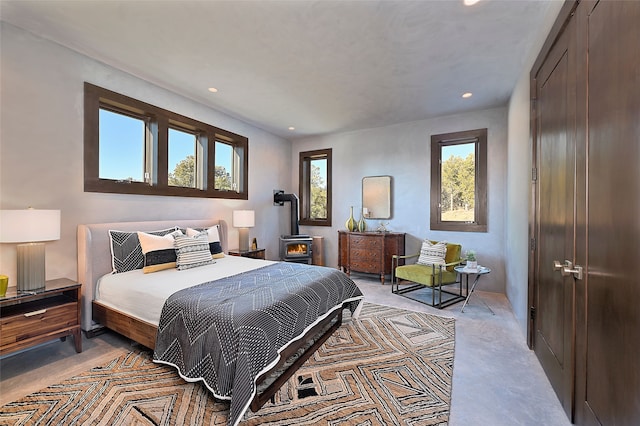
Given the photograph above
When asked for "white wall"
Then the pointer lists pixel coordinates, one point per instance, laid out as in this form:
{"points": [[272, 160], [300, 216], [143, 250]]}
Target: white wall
{"points": [[519, 182], [41, 151], [403, 151]]}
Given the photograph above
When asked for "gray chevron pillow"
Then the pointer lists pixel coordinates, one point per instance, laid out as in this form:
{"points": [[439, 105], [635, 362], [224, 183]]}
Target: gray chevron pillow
{"points": [[126, 252]]}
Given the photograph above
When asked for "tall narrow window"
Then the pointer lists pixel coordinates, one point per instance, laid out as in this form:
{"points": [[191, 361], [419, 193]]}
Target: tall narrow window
{"points": [[315, 187], [459, 181]]}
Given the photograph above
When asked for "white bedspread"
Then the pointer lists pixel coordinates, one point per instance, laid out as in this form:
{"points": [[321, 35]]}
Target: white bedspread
{"points": [[143, 295]]}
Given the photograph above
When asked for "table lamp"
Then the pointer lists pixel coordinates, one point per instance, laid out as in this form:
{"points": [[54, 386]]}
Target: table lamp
{"points": [[243, 219], [30, 227]]}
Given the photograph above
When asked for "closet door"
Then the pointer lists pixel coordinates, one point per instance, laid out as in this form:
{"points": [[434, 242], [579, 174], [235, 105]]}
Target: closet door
{"points": [[608, 321], [555, 164]]}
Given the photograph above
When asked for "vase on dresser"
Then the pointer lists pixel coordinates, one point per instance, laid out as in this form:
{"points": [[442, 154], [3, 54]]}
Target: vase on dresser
{"points": [[362, 225], [351, 224]]}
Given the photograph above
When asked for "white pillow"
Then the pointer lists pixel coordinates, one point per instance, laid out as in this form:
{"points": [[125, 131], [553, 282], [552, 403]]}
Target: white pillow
{"points": [[214, 240], [192, 252], [432, 254]]}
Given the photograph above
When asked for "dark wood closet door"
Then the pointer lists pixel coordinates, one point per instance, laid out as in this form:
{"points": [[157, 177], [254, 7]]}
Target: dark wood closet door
{"points": [[608, 322], [555, 155]]}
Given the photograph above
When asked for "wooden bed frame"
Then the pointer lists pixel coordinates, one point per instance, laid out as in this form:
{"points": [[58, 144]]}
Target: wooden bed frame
{"points": [[94, 261]]}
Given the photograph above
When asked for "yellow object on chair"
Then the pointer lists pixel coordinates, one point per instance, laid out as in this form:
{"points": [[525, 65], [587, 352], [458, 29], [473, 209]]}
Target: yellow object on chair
{"points": [[423, 281]]}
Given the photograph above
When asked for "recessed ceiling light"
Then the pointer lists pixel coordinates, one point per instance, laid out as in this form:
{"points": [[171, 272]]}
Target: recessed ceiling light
{"points": [[212, 89], [470, 2], [467, 95], [291, 128]]}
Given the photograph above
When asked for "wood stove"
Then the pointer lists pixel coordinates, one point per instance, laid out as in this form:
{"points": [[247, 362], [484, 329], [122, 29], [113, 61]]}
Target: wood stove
{"points": [[294, 247]]}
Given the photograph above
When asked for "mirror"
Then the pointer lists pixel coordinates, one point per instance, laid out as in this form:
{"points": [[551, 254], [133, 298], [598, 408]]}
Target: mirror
{"points": [[376, 197]]}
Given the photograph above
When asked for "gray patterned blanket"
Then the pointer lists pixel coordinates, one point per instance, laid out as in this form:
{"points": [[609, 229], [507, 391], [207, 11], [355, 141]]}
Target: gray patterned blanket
{"points": [[227, 332]]}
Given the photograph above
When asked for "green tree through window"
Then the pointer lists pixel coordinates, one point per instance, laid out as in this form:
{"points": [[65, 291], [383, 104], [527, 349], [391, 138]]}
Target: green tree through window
{"points": [[318, 193], [459, 181], [315, 187], [184, 173]]}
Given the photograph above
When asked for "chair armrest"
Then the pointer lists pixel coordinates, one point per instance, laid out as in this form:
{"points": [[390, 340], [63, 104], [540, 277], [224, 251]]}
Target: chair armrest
{"points": [[409, 256]]}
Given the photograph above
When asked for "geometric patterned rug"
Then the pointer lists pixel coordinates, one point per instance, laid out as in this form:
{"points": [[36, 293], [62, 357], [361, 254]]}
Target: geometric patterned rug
{"points": [[388, 367]]}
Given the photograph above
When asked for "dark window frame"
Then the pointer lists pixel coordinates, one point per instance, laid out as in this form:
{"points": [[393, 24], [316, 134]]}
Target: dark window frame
{"points": [[156, 148], [305, 186], [479, 137]]}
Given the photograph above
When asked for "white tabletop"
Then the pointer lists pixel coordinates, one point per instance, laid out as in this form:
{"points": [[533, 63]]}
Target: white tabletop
{"points": [[480, 270]]}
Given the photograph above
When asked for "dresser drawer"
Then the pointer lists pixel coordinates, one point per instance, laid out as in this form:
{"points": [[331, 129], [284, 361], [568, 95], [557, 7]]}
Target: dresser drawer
{"points": [[368, 242], [38, 319], [364, 265], [359, 254]]}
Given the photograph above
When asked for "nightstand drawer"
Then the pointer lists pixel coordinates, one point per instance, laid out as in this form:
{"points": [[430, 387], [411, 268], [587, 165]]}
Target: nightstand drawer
{"points": [[41, 318]]}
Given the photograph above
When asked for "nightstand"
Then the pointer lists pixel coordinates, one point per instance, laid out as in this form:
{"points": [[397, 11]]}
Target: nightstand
{"points": [[254, 254], [30, 318]]}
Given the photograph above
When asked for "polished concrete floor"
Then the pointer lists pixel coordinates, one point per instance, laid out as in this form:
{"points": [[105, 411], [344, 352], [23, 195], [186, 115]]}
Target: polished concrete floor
{"points": [[497, 380]]}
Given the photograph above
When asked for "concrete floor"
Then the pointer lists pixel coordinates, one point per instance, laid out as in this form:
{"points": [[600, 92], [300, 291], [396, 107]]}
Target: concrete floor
{"points": [[497, 380]]}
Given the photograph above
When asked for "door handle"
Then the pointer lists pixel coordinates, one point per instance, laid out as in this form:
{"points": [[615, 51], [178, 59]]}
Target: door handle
{"points": [[569, 268]]}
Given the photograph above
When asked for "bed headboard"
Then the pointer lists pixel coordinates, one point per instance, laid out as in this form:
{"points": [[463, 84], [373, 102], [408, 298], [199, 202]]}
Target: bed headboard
{"points": [[94, 252]]}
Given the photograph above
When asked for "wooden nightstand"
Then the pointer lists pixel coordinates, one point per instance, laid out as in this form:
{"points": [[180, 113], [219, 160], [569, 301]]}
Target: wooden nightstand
{"points": [[31, 318], [254, 254]]}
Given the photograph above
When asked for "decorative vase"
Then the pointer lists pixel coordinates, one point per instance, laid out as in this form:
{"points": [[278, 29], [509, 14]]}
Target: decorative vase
{"points": [[351, 224], [472, 264], [362, 225]]}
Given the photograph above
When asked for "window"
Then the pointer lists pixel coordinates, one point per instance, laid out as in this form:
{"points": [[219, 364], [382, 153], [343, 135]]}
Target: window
{"points": [[315, 187], [131, 147], [459, 181]]}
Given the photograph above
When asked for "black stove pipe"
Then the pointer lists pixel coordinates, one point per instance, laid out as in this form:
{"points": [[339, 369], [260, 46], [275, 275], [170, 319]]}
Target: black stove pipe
{"points": [[279, 198]]}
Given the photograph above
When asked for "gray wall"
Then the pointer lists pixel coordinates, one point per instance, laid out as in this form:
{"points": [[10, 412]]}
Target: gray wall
{"points": [[403, 151], [41, 151], [519, 182]]}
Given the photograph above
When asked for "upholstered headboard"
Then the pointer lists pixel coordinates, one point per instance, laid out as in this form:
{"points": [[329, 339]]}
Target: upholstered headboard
{"points": [[94, 252]]}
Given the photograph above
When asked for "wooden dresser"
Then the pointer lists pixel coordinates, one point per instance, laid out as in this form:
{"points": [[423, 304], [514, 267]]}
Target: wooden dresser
{"points": [[368, 252]]}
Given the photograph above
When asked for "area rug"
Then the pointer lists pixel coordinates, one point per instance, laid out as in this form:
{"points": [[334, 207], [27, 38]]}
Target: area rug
{"points": [[388, 367]]}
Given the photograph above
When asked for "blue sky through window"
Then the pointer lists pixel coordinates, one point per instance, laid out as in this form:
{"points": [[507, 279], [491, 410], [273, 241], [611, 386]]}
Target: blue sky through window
{"points": [[122, 147]]}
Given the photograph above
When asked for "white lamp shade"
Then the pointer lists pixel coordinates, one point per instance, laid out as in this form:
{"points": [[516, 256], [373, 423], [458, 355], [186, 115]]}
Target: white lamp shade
{"points": [[244, 218], [29, 225]]}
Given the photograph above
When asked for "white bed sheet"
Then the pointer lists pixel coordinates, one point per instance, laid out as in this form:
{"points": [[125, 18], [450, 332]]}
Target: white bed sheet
{"points": [[143, 295]]}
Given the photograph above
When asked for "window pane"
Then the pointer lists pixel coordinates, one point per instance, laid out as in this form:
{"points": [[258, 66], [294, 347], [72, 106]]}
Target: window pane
{"points": [[458, 183], [121, 146], [182, 159], [224, 167], [318, 189]]}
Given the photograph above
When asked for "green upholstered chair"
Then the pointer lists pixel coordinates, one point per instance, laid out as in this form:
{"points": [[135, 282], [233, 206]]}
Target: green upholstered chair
{"points": [[432, 284]]}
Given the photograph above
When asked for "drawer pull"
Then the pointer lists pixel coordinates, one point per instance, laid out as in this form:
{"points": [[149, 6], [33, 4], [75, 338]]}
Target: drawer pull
{"points": [[31, 314]]}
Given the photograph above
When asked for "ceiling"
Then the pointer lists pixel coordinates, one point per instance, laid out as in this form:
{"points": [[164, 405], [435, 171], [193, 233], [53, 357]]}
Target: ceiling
{"points": [[320, 66]]}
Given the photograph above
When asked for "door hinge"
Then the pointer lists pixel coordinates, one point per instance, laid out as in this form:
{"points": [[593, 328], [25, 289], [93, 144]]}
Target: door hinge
{"points": [[532, 313], [532, 244], [534, 174]]}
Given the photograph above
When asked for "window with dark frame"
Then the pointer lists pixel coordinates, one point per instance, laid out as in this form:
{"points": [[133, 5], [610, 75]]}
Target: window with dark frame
{"points": [[459, 181], [315, 187], [132, 147]]}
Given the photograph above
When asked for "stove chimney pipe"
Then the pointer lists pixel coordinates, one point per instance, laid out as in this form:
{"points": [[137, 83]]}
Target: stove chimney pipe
{"points": [[279, 198]]}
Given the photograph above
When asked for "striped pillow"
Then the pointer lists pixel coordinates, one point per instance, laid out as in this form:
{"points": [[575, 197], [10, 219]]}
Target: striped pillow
{"points": [[432, 254], [192, 252], [159, 252]]}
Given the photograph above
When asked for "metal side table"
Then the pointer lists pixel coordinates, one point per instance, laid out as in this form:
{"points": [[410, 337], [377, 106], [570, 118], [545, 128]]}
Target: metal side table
{"points": [[482, 270]]}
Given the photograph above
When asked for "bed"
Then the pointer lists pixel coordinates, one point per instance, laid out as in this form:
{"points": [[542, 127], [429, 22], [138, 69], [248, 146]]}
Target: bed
{"points": [[264, 318]]}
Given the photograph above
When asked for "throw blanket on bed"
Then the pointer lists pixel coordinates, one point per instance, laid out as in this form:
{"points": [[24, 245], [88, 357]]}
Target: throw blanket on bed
{"points": [[229, 331]]}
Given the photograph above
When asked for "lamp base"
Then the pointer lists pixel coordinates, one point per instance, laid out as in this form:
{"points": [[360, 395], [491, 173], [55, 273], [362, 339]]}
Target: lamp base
{"points": [[243, 239], [30, 267]]}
